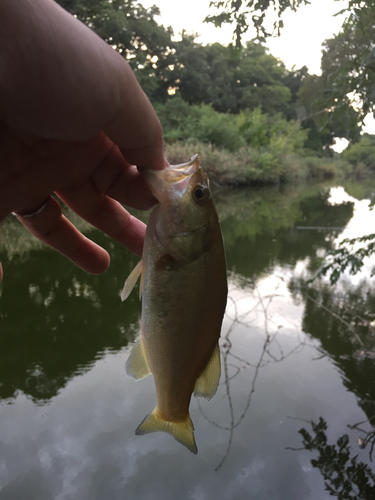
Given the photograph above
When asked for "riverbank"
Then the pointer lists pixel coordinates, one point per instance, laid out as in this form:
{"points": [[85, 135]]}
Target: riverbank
{"points": [[270, 165]]}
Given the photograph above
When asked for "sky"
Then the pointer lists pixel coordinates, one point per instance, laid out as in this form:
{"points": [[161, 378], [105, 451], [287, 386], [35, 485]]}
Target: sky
{"points": [[300, 41]]}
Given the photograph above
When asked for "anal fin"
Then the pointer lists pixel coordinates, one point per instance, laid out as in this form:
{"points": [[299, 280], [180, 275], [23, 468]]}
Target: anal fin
{"points": [[136, 365], [206, 384]]}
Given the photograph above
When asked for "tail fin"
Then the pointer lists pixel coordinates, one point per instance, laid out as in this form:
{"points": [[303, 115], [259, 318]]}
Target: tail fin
{"points": [[183, 432]]}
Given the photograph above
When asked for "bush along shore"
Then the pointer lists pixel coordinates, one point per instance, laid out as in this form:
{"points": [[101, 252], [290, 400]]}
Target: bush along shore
{"points": [[250, 166], [252, 147]]}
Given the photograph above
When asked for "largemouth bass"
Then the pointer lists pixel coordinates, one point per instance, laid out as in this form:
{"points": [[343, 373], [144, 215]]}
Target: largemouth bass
{"points": [[184, 294]]}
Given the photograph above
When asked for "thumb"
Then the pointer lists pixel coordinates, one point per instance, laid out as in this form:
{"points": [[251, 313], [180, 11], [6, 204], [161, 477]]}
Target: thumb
{"points": [[134, 127]]}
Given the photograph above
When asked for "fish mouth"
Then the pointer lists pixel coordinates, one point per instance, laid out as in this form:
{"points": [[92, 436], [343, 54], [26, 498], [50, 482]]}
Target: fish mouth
{"points": [[174, 178], [185, 169], [178, 176]]}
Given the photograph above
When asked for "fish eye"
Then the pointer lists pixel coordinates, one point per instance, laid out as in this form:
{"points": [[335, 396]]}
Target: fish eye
{"points": [[200, 192]]}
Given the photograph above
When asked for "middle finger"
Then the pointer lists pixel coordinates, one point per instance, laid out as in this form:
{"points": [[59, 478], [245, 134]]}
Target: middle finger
{"points": [[106, 214]]}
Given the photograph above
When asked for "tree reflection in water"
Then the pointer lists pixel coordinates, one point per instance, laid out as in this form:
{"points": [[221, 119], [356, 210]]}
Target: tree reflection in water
{"points": [[343, 323], [233, 365], [347, 313], [56, 320], [348, 337], [345, 477], [369, 436]]}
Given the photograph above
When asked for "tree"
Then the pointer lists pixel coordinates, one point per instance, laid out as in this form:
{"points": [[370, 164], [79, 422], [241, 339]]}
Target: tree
{"points": [[323, 121], [362, 152], [229, 79], [294, 80], [193, 71], [348, 62]]}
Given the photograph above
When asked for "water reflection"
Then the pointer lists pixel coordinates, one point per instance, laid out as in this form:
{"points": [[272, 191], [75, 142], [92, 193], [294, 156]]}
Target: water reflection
{"points": [[345, 477], [250, 310], [55, 320], [290, 350], [366, 438], [59, 301], [260, 226], [343, 321]]}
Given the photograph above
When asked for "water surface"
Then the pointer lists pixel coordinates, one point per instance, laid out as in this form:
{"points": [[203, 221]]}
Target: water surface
{"points": [[294, 356]]}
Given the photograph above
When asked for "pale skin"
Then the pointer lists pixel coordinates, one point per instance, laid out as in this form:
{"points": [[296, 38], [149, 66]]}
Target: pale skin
{"points": [[74, 122]]}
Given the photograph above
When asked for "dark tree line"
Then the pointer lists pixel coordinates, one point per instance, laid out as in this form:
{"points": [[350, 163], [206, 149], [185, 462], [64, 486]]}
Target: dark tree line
{"points": [[231, 79], [348, 62]]}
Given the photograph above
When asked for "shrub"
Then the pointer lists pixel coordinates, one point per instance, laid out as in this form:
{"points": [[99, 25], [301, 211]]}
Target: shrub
{"points": [[220, 129], [362, 152]]}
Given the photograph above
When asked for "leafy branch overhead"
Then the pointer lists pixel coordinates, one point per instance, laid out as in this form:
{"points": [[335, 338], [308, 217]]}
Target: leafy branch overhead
{"points": [[238, 13], [348, 61]]}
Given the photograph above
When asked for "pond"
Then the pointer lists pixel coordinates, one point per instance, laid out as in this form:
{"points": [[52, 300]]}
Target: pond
{"points": [[292, 418]]}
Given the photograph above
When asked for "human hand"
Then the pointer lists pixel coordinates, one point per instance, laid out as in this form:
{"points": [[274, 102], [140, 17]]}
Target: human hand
{"points": [[73, 121]]}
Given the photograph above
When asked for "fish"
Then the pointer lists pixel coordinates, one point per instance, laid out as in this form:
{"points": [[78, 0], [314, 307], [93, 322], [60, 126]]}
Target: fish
{"points": [[183, 286]]}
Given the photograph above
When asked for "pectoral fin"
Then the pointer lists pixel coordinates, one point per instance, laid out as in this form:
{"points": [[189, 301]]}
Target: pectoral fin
{"points": [[206, 384], [132, 280], [137, 366]]}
